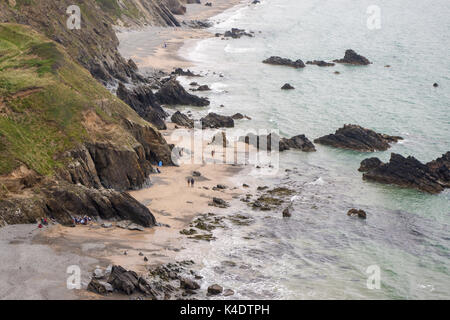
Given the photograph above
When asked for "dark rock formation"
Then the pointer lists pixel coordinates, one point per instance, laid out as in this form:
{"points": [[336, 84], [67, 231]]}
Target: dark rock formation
{"points": [[182, 120], [321, 63], [173, 93], [355, 137], [351, 57], [287, 212], [432, 177], [357, 213], [369, 164], [187, 73], [284, 62], [214, 120], [144, 102], [215, 289], [202, 88], [237, 116], [300, 142], [287, 86], [236, 33]]}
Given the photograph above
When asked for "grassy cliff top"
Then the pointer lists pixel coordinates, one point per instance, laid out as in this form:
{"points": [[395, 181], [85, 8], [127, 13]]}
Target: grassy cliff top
{"points": [[49, 104]]}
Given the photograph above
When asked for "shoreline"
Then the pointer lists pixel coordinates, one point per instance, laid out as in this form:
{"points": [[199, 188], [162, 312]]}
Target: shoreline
{"points": [[165, 43]]}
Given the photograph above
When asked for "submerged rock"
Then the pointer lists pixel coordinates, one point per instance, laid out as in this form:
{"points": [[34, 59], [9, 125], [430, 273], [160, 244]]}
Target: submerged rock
{"points": [[357, 213], [320, 63], [355, 137], [351, 57], [275, 60], [409, 172]]}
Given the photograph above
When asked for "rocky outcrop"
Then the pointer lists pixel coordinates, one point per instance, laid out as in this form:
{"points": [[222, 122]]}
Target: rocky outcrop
{"points": [[236, 33], [173, 93], [182, 120], [299, 142], [62, 201], [142, 100], [274, 60], [214, 120], [320, 63], [351, 57], [409, 172], [187, 73], [355, 137], [287, 86], [369, 164]]}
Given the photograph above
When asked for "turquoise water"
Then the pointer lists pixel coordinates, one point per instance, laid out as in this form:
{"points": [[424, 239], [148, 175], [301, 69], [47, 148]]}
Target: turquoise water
{"points": [[319, 252]]}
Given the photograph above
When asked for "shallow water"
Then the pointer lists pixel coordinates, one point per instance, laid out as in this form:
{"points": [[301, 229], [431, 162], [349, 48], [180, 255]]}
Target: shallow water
{"points": [[320, 252]]}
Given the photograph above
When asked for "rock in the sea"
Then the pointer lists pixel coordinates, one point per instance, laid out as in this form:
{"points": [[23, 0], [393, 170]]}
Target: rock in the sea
{"points": [[355, 137], [189, 284], [369, 164], [409, 172], [214, 120], [357, 213], [187, 73], [220, 203], [275, 60], [287, 212], [300, 142], [182, 120], [203, 87], [237, 116], [351, 57], [228, 292], [173, 93], [287, 86], [321, 63], [142, 100], [435, 85], [215, 289], [236, 33]]}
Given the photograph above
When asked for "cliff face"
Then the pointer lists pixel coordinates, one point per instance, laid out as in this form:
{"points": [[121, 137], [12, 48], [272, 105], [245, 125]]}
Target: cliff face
{"points": [[94, 46], [68, 146]]}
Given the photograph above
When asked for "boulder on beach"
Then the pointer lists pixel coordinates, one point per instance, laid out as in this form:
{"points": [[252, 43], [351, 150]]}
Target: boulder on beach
{"points": [[355, 137], [409, 172], [173, 93], [357, 213], [214, 120], [351, 57], [275, 60], [182, 120]]}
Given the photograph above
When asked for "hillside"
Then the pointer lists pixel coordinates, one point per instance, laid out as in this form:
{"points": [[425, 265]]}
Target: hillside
{"points": [[64, 137]]}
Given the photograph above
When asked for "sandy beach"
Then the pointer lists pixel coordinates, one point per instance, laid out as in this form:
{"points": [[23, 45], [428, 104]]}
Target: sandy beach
{"points": [[157, 48]]}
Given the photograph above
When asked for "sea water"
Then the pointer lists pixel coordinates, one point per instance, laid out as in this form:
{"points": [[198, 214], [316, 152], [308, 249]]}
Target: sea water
{"points": [[319, 252]]}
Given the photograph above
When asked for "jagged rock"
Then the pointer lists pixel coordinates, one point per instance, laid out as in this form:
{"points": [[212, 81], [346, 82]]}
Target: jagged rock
{"points": [[144, 102], [182, 120], [237, 116], [287, 86], [187, 73], [357, 213], [100, 287], [284, 62], [287, 212], [173, 93], [355, 137], [432, 177], [123, 280], [202, 88], [320, 63], [369, 164], [220, 203], [215, 289], [300, 142], [351, 57], [214, 120]]}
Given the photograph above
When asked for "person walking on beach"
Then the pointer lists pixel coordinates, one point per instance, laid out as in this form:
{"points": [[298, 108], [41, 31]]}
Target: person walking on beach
{"points": [[192, 182], [189, 182]]}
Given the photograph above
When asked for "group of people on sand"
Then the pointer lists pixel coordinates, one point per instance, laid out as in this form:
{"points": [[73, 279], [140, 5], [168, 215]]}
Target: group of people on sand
{"points": [[42, 222], [190, 182], [84, 220]]}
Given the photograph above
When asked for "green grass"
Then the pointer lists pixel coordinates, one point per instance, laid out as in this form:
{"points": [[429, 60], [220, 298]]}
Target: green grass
{"points": [[43, 97]]}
